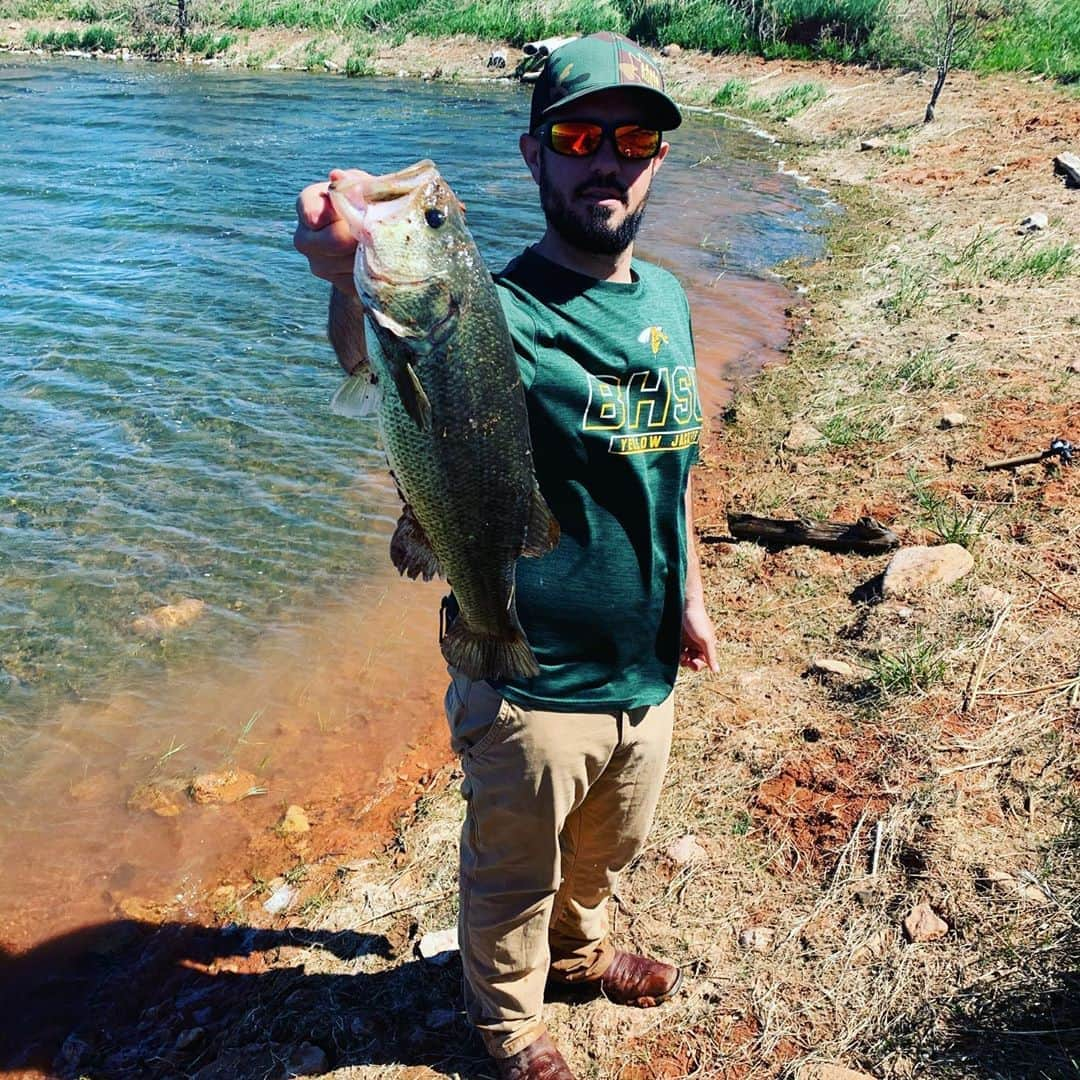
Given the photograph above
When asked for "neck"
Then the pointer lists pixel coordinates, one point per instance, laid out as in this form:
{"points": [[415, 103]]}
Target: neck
{"points": [[602, 267]]}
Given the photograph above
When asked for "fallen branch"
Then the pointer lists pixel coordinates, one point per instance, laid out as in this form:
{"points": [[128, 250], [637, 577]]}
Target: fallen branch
{"points": [[864, 537]]}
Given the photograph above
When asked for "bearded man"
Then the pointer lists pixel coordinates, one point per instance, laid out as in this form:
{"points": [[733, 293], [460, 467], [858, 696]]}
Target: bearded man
{"points": [[563, 770]]}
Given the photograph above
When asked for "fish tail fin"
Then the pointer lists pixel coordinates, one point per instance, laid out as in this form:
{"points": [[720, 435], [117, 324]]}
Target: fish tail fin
{"points": [[488, 656]]}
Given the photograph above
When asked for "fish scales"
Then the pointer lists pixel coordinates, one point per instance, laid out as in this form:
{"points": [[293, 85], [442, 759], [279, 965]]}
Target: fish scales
{"points": [[451, 409]]}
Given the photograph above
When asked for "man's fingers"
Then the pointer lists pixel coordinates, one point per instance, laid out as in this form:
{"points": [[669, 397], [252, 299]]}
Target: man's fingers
{"points": [[334, 239]]}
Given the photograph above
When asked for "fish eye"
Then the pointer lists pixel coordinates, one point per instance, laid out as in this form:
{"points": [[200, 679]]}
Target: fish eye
{"points": [[434, 216]]}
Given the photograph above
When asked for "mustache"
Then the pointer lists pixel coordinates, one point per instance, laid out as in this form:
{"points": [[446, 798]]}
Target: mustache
{"points": [[599, 180]]}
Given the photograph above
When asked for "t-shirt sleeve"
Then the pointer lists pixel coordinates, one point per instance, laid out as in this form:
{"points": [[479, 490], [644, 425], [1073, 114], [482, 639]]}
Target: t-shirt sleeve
{"points": [[523, 333]]}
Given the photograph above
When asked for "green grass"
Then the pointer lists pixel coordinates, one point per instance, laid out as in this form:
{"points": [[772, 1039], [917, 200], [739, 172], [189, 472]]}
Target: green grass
{"points": [[732, 94], [209, 44], [928, 369], [914, 669], [912, 289], [951, 522], [94, 37], [987, 254], [850, 428], [1038, 36], [1047, 263], [359, 65]]}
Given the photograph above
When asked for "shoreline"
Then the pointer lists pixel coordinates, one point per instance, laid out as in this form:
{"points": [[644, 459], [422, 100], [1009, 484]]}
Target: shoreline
{"points": [[809, 800]]}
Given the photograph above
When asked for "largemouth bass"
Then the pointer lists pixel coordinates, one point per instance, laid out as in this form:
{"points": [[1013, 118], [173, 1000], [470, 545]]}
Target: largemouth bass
{"points": [[444, 383]]}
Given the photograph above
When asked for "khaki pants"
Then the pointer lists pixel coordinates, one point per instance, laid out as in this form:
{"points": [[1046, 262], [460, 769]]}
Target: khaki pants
{"points": [[557, 804]]}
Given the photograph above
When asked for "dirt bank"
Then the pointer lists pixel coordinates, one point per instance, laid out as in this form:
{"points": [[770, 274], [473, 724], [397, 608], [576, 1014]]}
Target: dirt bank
{"points": [[823, 809]]}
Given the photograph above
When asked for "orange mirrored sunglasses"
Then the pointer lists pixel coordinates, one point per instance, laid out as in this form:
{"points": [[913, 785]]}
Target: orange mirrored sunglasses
{"points": [[582, 138]]}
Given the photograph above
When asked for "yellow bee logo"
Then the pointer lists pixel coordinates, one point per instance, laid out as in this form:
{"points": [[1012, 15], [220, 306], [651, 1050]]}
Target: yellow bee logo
{"points": [[655, 336]]}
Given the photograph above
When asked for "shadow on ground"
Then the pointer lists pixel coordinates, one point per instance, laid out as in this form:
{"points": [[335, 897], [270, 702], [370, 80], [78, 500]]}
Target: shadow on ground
{"points": [[125, 999]]}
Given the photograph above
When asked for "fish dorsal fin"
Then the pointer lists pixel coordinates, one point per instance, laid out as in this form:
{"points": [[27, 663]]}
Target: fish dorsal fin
{"points": [[542, 532], [358, 397]]}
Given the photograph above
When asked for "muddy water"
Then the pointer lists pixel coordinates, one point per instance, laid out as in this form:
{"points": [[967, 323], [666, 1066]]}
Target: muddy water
{"points": [[163, 411]]}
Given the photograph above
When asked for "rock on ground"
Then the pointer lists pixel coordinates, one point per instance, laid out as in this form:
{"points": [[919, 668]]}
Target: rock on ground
{"points": [[917, 569], [802, 436], [826, 667], [294, 822], [685, 849], [923, 924], [951, 420], [829, 1072]]}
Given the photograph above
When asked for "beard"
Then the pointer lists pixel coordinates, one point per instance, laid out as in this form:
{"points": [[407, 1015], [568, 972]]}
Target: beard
{"points": [[588, 227]]}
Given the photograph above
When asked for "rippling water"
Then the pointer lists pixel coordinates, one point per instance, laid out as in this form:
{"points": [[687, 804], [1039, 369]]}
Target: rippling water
{"points": [[164, 378]]}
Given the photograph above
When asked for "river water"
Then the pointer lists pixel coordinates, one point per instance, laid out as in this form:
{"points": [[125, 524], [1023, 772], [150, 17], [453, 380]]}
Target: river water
{"points": [[165, 434]]}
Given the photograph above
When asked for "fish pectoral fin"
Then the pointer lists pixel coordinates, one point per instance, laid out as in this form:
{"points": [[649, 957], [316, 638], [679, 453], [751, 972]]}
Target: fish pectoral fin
{"points": [[358, 397], [410, 549], [413, 399], [542, 532]]}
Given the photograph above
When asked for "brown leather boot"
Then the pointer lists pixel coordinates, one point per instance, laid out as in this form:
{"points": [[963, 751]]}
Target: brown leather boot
{"points": [[540, 1060], [636, 980]]}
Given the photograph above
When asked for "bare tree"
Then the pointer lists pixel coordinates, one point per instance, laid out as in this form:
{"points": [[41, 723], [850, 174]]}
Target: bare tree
{"points": [[952, 25]]}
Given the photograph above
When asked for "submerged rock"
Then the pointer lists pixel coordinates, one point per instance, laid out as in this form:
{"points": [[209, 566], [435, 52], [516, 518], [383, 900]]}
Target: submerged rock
{"points": [[228, 786], [168, 617], [161, 797]]}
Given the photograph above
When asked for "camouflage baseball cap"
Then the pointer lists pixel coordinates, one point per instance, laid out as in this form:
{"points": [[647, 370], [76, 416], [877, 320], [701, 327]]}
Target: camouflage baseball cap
{"points": [[603, 61]]}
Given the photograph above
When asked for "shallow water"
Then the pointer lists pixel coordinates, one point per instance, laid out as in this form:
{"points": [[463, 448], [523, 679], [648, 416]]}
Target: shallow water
{"points": [[164, 383]]}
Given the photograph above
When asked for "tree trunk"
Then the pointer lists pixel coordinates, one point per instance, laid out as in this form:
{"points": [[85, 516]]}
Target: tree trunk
{"points": [[942, 71]]}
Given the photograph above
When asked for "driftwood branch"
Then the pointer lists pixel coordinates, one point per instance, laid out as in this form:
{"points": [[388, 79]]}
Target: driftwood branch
{"points": [[1068, 165], [865, 536]]}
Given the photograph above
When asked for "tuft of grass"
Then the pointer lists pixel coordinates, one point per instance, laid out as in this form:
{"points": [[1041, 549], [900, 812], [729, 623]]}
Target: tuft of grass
{"points": [[947, 518], [209, 44], [732, 94], [914, 669], [911, 292], [1047, 263], [359, 65], [851, 429], [94, 37], [928, 369], [791, 101]]}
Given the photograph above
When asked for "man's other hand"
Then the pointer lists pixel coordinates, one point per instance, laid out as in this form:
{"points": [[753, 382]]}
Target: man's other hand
{"points": [[698, 638], [323, 237]]}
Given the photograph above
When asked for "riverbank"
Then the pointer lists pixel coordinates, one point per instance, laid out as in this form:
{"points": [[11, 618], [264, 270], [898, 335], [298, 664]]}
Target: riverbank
{"points": [[806, 815]]}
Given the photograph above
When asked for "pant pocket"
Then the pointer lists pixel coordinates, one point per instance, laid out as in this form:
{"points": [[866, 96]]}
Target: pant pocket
{"points": [[473, 708]]}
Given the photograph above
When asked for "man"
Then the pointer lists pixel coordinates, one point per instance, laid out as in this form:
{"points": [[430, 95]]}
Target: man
{"points": [[563, 771]]}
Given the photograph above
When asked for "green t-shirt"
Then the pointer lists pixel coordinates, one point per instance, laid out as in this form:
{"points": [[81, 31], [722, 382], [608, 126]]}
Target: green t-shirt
{"points": [[615, 421]]}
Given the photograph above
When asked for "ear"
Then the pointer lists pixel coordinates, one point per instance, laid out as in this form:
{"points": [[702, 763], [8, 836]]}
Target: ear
{"points": [[529, 145], [659, 159]]}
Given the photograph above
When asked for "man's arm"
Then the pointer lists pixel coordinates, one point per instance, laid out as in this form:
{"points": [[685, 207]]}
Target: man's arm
{"points": [[345, 329], [698, 635]]}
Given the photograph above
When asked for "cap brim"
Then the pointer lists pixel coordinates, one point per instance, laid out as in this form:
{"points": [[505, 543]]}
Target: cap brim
{"points": [[662, 111]]}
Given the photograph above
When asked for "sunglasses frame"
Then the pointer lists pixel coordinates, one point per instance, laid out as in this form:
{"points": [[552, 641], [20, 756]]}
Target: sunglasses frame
{"points": [[607, 131]]}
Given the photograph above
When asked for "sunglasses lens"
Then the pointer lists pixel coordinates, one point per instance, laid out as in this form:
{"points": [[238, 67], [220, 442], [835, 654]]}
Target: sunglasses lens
{"points": [[636, 143], [576, 139]]}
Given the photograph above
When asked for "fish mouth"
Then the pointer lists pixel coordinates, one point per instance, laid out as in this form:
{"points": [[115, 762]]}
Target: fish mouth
{"points": [[365, 201]]}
